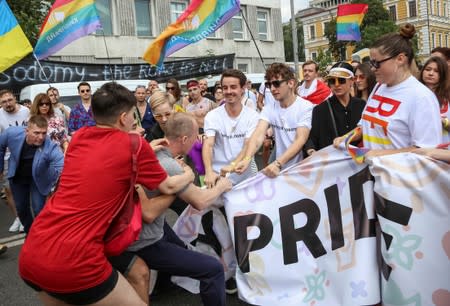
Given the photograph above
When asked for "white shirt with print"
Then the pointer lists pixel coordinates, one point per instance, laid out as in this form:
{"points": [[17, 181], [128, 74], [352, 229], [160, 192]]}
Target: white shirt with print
{"points": [[401, 116], [19, 118], [230, 135], [285, 121]]}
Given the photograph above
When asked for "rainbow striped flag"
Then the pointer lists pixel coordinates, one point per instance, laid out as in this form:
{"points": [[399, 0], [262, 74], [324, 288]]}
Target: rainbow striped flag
{"points": [[14, 45], [355, 152], [349, 18], [201, 18], [67, 21]]}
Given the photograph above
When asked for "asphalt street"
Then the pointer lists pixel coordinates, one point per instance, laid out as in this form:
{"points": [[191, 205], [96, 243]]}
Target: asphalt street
{"points": [[14, 292]]}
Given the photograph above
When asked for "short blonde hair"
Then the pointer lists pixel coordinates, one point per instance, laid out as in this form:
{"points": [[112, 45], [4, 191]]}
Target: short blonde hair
{"points": [[159, 98]]}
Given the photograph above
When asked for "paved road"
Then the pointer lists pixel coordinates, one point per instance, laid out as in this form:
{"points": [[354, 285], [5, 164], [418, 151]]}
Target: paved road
{"points": [[14, 292]]}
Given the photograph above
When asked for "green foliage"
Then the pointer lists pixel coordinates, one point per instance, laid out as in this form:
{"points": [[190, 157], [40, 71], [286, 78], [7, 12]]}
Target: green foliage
{"points": [[288, 45], [375, 24], [335, 46], [323, 59], [30, 14]]}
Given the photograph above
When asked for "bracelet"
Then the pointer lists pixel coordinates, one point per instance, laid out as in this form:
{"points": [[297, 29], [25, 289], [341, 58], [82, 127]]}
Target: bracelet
{"points": [[277, 163], [233, 164], [445, 123], [247, 158]]}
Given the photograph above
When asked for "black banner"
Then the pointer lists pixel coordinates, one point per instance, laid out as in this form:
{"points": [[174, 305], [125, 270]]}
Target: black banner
{"points": [[27, 71]]}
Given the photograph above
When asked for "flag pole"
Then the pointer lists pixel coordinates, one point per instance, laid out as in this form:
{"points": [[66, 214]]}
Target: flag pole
{"points": [[107, 56], [253, 38], [42, 69]]}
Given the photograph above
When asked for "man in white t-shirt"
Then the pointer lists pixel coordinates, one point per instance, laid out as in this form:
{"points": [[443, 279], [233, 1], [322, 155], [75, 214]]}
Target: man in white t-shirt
{"points": [[290, 118], [11, 114], [228, 129]]}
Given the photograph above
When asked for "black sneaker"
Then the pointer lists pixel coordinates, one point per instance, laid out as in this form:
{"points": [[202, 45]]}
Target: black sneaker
{"points": [[230, 286]]}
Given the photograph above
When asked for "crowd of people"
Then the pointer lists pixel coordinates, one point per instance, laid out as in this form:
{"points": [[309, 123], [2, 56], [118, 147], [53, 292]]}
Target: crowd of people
{"points": [[73, 165]]}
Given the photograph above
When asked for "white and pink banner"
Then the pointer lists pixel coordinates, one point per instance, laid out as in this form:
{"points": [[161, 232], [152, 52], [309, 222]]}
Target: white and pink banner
{"points": [[308, 237]]}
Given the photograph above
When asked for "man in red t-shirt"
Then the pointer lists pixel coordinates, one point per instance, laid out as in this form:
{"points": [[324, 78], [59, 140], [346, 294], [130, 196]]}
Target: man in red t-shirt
{"points": [[63, 256]]}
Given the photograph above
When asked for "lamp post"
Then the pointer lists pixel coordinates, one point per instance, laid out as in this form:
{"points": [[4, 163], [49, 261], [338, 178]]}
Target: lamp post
{"points": [[294, 38]]}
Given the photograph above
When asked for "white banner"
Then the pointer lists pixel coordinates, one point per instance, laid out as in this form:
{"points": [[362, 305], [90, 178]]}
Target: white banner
{"points": [[306, 237], [412, 202]]}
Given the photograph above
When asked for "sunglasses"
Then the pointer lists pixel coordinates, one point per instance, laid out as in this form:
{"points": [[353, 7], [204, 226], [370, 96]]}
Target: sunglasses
{"points": [[336, 81], [170, 88], [376, 64], [44, 104], [85, 90], [160, 116], [275, 83]]}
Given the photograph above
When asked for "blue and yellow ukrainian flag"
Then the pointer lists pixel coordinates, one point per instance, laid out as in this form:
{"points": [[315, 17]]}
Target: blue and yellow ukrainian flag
{"points": [[14, 45]]}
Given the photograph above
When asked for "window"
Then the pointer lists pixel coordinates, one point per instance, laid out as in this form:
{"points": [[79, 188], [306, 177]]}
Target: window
{"points": [[433, 44], [431, 7], [312, 32], [314, 55], [325, 26], [104, 12], [393, 13], [262, 20], [238, 25], [143, 22], [446, 41], [412, 8], [444, 12], [176, 9], [440, 40], [438, 8], [243, 67]]}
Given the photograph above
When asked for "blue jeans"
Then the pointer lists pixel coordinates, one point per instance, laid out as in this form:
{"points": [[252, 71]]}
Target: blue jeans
{"points": [[170, 255], [22, 192]]}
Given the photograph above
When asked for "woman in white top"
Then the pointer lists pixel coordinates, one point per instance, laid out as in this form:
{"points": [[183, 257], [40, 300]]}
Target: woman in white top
{"points": [[401, 113]]}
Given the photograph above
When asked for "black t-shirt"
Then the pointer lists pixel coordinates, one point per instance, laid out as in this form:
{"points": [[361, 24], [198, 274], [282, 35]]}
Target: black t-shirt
{"points": [[24, 172]]}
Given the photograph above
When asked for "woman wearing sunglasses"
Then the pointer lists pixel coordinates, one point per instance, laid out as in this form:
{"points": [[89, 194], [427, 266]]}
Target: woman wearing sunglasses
{"points": [[173, 88], [401, 113], [337, 115], [434, 75], [364, 81], [56, 130]]}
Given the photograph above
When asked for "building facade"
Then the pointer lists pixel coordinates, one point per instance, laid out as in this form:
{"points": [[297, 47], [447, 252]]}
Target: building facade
{"points": [[430, 17], [129, 26]]}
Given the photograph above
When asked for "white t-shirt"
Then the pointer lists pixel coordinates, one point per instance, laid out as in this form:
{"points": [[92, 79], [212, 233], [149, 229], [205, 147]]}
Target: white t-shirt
{"points": [[401, 116], [248, 102], [230, 135], [268, 97], [302, 91], [285, 121], [19, 118]]}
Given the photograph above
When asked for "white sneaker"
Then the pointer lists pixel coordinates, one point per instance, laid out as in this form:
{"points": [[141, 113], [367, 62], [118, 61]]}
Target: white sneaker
{"points": [[15, 227]]}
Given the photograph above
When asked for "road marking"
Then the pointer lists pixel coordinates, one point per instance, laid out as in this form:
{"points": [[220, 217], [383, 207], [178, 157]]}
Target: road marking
{"points": [[11, 238], [15, 243]]}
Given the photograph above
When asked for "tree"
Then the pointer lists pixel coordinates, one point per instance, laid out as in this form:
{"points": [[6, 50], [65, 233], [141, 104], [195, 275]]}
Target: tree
{"points": [[288, 46], [30, 14], [375, 24], [323, 60]]}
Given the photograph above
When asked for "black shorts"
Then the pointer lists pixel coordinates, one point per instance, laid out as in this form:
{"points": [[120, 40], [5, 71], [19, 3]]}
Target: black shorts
{"points": [[88, 296], [123, 262]]}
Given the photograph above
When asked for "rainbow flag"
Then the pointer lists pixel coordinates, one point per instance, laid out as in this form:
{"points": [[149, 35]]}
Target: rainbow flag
{"points": [[355, 152], [201, 18], [67, 21], [349, 18], [14, 45]]}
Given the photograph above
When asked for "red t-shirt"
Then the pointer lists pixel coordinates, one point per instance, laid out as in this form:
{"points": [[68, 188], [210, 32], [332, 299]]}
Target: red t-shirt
{"points": [[63, 252]]}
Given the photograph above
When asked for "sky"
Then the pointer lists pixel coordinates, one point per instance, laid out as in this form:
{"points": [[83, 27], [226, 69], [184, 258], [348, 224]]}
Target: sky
{"points": [[286, 8]]}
